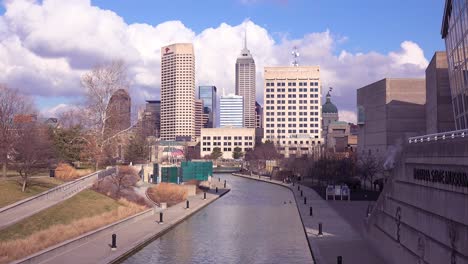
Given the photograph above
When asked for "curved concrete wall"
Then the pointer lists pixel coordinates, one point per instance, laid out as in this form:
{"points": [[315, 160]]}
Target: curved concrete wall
{"points": [[423, 218]]}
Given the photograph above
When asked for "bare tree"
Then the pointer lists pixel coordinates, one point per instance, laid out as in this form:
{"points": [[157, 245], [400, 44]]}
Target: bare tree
{"points": [[32, 151], [124, 178], [12, 104], [101, 84], [369, 166]]}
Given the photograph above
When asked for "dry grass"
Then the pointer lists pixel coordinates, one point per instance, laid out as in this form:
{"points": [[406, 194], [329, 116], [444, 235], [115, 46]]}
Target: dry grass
{"points": [[67, 173], [10, 190], [19, 248], [167, 193]]}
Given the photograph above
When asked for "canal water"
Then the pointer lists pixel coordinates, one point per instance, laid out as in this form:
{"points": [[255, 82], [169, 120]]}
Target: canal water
{"points": [[250, 224]]}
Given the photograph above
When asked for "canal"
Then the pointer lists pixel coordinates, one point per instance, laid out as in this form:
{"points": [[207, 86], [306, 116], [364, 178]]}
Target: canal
{"points": [[250, 224]]}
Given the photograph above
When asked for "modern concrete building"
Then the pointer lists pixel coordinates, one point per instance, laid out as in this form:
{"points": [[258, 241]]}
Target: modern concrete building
{"points": [[227, 139], [454, 32], [337, 136], [329, 115], [118, 112], [258, 115], [245, 85], [231, 111], [422, 214], [439, 109], [198, 117], [177, 92], [209, 96], [390, 111], [292, 109]]}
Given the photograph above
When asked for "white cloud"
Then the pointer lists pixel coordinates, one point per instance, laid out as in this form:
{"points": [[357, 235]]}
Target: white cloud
{"points": [[45, 47], [55, 111], [348, 116]]}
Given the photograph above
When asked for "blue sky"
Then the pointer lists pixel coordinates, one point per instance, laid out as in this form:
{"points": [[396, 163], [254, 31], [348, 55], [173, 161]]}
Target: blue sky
{"points": [[354, 42], [369, 25]]}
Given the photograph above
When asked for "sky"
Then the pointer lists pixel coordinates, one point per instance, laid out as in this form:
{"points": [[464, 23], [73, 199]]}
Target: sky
{"points": [[45, 46]]}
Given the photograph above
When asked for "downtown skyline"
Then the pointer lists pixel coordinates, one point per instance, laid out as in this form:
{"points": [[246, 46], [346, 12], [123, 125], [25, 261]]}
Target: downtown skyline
{"points": [[46, 61]]}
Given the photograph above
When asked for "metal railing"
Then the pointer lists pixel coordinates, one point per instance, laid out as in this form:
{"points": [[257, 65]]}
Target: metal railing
{"points": [[439, 136]]}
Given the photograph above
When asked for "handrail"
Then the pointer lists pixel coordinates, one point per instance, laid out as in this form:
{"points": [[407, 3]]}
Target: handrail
{"points": [[439, 136]]}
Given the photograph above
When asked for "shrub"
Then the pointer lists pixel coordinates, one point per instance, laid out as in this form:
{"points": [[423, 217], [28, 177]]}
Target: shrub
{"points": [[67, 173], [167, 193]]}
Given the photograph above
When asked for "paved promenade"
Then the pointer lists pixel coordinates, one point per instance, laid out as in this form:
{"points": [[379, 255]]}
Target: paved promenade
{"points": [[135, 234], [340, 237]]}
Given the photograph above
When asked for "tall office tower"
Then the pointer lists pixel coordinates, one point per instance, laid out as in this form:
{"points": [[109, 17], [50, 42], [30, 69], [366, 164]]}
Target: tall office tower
{"points": [[118, 112], [209, 97], [151, 119], [258, 115], [177, 92], [231, 111], [292, 109], [245, 85], [454, 31], [198, 117]]}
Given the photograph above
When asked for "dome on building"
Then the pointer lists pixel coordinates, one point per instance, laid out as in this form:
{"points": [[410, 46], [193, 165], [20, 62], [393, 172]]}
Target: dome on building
{"points": [[329, 107]]}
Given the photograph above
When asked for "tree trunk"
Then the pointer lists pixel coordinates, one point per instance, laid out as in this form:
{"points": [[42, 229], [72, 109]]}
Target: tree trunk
{"points": [[25, 179], [4, 169]]}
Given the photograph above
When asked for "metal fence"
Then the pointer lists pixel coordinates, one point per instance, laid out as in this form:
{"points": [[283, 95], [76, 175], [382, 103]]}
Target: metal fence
{"points": [[439, 136]]}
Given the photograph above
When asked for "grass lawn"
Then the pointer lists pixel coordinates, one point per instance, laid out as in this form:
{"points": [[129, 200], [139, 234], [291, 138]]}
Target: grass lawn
{"points": [[85, 204], [10, 190]]}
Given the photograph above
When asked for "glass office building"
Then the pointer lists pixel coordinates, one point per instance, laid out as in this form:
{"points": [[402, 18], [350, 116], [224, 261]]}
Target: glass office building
{"points": [[209, 97], [454, 32], [231, 111]]}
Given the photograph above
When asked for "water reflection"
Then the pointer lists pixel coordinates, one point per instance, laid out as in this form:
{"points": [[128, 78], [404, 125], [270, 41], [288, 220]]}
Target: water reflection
{"points": [[250, 224]]}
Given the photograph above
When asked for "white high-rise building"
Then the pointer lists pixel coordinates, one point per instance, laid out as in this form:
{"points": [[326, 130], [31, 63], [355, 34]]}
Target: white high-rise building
{"points": [[245, 85], [231, 111], [292, 109], [177, 92]]}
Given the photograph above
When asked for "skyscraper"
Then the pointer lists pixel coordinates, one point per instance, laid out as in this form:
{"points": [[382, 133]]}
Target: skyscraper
{"points": [[454, 31], [177, 92], [231, 111], [292, 109], [198, 116], [209, 97], [118, 112], [245, 85]]}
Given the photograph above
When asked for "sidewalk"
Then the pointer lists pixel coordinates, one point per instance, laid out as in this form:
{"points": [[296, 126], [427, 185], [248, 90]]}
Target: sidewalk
{"points": [[339, 238], [132, 236]]}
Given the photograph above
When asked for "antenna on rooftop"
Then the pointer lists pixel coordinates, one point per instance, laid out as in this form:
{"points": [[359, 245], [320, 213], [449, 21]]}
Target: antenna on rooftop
{"points": [[295, 55]]}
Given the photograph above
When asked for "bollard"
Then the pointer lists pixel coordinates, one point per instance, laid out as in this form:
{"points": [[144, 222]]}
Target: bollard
{"points": [[310, 211], [339, 260], [224, 183], [216, 189], [305, 200], [204, 195], [298, 188], [301, 193], [293, 183], [320, 233], [114, 242], [188, 205], [161, 218], [219, 179]]}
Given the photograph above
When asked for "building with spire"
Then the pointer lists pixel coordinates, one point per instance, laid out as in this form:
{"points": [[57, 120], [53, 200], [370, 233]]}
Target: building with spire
{"points": [[245, 84]]}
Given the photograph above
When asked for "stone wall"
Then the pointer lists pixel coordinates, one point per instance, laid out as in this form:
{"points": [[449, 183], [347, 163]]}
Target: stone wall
{"points": [[422, 214]]}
